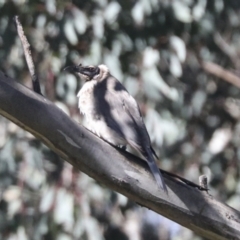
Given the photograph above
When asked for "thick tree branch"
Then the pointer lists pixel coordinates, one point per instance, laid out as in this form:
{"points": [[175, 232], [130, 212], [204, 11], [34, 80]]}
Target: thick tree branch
{"points": [[118, 170]]}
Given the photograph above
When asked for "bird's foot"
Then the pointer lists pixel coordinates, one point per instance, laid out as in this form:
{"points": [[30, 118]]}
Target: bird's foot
{"points": [[123, 147]]}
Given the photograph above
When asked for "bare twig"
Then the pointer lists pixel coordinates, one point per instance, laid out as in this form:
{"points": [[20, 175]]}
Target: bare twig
{"points": [[184, 180], [226, 48], [222, 73], [28, 56], [203, 181]]}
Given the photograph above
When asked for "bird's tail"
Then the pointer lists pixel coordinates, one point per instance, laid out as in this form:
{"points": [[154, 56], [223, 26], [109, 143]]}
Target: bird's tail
{"points": [[155, 171]]}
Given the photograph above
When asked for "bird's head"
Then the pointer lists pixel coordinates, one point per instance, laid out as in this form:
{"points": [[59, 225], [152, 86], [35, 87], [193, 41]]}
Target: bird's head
{"points": [[88, 73]]}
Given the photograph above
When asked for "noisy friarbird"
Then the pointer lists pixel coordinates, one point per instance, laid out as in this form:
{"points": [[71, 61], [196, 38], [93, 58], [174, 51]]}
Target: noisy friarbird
{"points": [[113, 114]]}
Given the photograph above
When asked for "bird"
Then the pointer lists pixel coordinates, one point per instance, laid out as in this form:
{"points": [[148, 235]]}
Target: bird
{"points": [[113, 114]]}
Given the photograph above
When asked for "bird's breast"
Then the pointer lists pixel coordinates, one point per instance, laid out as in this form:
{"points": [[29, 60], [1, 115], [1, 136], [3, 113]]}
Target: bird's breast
{"points": [[91, 105], [86, 102]]}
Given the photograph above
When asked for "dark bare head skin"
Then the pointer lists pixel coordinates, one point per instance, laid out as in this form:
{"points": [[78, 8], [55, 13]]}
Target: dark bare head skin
{"points": [[88, 73]]}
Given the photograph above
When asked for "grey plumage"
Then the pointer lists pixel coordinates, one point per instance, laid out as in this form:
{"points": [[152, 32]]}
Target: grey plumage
{"points": [[113, 114]]}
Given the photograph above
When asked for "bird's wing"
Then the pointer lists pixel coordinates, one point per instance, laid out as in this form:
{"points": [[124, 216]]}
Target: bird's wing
{"points": [[122, 113]]}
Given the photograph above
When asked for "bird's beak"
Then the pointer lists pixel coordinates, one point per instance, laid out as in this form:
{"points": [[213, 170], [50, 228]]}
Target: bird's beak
{"points": [[74, 68]]}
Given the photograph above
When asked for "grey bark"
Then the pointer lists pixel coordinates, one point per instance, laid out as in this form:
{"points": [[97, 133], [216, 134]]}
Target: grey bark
{"points": [[116, 169]]}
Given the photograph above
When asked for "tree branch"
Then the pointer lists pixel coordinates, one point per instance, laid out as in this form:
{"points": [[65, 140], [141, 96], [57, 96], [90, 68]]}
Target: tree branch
{"points": [[222, 73], [227, 49], [28, 56], [118, 170]]}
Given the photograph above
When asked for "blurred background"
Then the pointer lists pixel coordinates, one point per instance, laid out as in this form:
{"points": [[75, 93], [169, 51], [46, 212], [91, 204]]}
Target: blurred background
{"points": [[163, 52]]}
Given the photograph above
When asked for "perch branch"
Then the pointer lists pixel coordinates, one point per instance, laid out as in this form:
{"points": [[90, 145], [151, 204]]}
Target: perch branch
{"points": [[117, 169]]}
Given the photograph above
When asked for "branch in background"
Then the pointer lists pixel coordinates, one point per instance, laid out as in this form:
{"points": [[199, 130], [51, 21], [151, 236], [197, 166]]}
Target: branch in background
{"points": [[118, 170], [222, 73], [227, 49], [28, 56]]}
